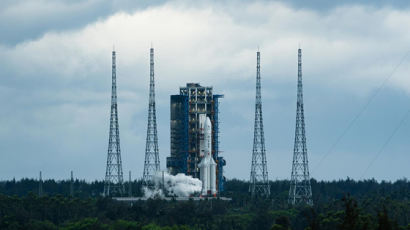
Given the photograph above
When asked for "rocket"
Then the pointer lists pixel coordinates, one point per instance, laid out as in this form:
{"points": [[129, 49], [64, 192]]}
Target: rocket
{"points": [[207, 165]]}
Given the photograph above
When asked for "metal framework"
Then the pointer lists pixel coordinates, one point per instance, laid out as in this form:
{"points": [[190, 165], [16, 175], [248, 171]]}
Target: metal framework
{"points": [[114, 176], [186, 107], [129, 184], [151, 164], [72, 184], [259, 182], [219, 160], [40, 185], [300, 192]]}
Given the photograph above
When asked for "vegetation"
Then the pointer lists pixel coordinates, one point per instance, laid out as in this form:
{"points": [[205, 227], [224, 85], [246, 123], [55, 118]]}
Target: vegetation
{"points": [[344, 205]]}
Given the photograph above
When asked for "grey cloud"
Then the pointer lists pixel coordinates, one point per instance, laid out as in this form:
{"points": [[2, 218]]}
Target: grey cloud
{"points": [[324, 5], [25, 20]]}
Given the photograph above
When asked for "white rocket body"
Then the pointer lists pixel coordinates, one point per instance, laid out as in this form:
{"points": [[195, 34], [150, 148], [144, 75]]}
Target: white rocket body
{"points": [[207, 166]]}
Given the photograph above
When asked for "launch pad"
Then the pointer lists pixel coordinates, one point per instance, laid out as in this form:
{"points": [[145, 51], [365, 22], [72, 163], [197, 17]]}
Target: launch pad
{"points": [[135, 199]]}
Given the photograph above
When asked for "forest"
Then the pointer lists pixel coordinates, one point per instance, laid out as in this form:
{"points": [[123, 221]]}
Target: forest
{"points": [[343, 204]]}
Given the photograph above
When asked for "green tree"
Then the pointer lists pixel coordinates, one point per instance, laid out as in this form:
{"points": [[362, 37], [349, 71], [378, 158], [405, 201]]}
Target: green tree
{"points": [[351, 214], [41, 225], [86, 224], [151, 227], [125, 225], [383, 220]]}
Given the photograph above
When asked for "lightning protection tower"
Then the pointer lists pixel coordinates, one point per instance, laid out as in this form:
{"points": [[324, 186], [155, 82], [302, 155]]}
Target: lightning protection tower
{"points": [[151, 163], [259, 182], [40, 185], [113, 176], [129, 184], [72, 184], [300, 190]]}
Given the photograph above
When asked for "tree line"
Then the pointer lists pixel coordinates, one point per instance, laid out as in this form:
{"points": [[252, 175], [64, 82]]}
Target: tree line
{"points": [[343, 204]]}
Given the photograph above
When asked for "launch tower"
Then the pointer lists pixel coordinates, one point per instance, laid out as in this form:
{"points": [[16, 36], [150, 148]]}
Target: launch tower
{"points": [[259, 182], [186, 108], [113, 176], [300, 190]]}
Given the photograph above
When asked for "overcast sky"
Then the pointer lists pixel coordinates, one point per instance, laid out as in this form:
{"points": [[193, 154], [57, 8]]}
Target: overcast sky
{"points": [[56, 81]]}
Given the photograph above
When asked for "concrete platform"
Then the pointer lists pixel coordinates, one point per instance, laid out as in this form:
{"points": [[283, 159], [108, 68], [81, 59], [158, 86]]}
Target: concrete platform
{"points": [[134, 199]]}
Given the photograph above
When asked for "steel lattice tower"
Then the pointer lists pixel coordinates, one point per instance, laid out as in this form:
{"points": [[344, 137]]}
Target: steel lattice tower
{"points": [[113, 175], [300, 190], [40, 185], [259, 182], [72, 184], [151, 164]]}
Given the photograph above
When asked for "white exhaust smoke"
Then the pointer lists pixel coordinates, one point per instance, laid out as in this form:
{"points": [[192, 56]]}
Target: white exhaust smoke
{"points": [[179, 185]]}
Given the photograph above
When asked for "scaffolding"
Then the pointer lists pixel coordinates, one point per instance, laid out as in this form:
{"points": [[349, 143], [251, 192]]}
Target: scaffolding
{"points": [[220, 179], [177, 162]]}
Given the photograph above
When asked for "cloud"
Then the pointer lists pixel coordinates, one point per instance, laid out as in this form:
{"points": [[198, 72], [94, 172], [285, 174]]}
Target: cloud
{"points": [[193, 42], [31, 19]]}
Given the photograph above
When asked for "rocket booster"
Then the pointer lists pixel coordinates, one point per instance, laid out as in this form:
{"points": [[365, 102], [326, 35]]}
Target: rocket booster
{"points": [[207, 165]]}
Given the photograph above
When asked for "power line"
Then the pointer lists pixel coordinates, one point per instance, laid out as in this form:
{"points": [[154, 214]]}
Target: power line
{"points": [[364, 108], [387, 142]]}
